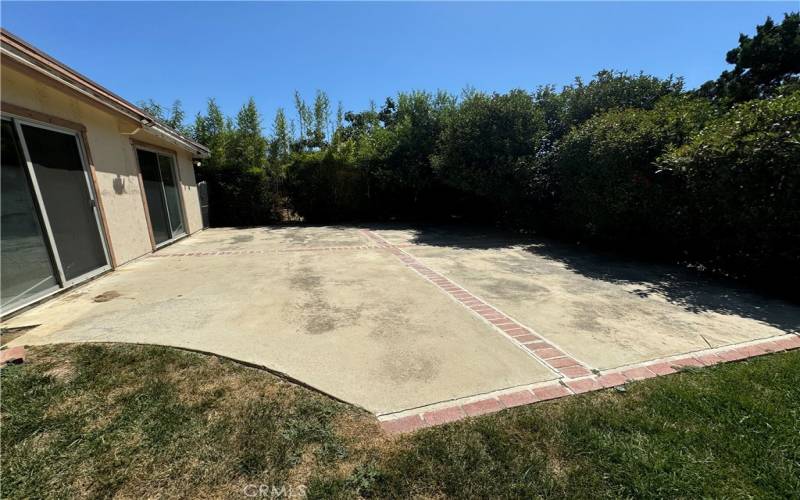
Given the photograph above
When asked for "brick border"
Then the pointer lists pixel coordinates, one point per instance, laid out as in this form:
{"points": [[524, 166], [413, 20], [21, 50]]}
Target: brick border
{"points": [[12, 356], [537, 346], [257, 252], [420, 418]]}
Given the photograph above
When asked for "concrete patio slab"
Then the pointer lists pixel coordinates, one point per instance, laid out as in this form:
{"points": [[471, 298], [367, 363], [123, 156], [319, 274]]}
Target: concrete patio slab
{"points": [[605, 312], [418, 326], [355, 324]]}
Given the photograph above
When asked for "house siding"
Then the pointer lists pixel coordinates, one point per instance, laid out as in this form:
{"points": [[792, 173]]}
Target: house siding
{"points": [[113, 157]]}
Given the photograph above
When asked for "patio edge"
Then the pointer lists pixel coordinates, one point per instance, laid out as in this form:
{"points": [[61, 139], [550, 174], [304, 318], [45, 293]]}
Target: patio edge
{"points": [[433, 415]]}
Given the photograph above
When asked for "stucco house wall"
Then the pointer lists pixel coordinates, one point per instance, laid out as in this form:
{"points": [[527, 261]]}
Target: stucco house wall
{"points": [[110, 139]]}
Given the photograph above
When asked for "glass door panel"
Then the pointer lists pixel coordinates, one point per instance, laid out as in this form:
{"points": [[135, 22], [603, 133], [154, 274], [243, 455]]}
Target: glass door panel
{"points": [[154, 192], [68, 201], [27, 270], [172, 195]]}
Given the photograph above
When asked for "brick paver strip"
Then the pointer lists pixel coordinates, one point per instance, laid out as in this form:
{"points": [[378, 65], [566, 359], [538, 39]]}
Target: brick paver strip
{"points": [[639, 373], [709, 359], [578, 378], [788, 343], [403, 424], [13, 355], [518, 398], [223, 253], [753, 350], [611, 380], [482, 406], [549, 353], [443, 416], [551, 392], [583, 385], [662, 368], [515, 330], [732, 355], [561, 362], [589, 383], [575, 371], [688, 361], [512, 329]]}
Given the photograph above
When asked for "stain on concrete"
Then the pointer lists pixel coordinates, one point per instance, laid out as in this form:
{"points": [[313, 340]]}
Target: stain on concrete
{"points": [[318, 316], [240, 238], [305, 280], [390, 322], [296, 236], [107, 296], [402, 369], [513, 288], [586, 317]]}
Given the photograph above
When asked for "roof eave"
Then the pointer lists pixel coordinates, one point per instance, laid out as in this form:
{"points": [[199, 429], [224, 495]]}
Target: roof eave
{"points": [[23, 53]]}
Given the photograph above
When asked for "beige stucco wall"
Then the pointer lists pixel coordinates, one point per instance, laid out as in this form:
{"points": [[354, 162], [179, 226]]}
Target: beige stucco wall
{"points": [[113, 157]]}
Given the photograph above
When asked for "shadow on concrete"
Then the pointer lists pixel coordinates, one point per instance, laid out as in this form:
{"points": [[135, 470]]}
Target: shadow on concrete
{"points": [[688, 288], [460, 236]]}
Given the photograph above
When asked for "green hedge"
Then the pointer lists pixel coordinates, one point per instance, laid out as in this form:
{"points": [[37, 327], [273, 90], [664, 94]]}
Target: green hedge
{"points": [[326, 187], [608, 187], [741, 203], [240, 197]]}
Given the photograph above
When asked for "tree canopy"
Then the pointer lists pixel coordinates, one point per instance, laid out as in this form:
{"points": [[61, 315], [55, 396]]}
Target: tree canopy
{"points": [[632, 162]]}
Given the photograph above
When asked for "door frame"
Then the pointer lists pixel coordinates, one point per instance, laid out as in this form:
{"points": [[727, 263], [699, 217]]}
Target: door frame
{"points": [[40, 218], [176, 172], [77, 134]]}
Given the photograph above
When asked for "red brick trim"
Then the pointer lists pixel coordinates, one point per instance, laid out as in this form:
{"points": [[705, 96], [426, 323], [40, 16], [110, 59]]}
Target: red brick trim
{"points": [[251, 252], [610, 378], [12, 355], [538, 347]]}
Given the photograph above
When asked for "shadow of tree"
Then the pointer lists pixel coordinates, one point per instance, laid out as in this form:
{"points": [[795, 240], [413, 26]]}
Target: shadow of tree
{"points": [[690, 289]]}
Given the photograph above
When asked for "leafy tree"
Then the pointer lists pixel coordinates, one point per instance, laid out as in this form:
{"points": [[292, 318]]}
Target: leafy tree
{"points": [[152, 108], [403, 173], [762, 63], [176, 117], [173, 119], [305, 121], [359, 124], [339, 116], [280, 144], [322, 114], [489, 146], [249, 149], [628, 161], [215, 132], [610, 89]]}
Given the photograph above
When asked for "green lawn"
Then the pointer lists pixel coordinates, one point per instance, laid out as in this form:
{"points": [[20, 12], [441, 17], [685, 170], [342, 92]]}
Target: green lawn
{"points": [[102, 420]]}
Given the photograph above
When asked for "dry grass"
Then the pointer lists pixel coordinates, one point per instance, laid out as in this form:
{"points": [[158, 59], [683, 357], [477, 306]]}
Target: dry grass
{"points": [[143, 421]]}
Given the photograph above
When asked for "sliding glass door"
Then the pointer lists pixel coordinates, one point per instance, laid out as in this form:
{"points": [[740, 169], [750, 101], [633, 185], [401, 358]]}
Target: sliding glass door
{"points": [[51, 232], [162, 195], [68, 201], [27, 269]]}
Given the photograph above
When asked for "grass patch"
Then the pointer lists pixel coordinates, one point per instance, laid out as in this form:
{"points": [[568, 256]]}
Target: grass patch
{"points": [[105, 420]]}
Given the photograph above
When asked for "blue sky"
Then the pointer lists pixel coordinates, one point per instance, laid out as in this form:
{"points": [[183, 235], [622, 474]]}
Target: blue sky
{"points": [[362, 51]]}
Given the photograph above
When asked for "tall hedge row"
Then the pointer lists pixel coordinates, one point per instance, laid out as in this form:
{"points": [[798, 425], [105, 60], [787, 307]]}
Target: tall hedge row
{"points": [[740, 202], [676, 177]]}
